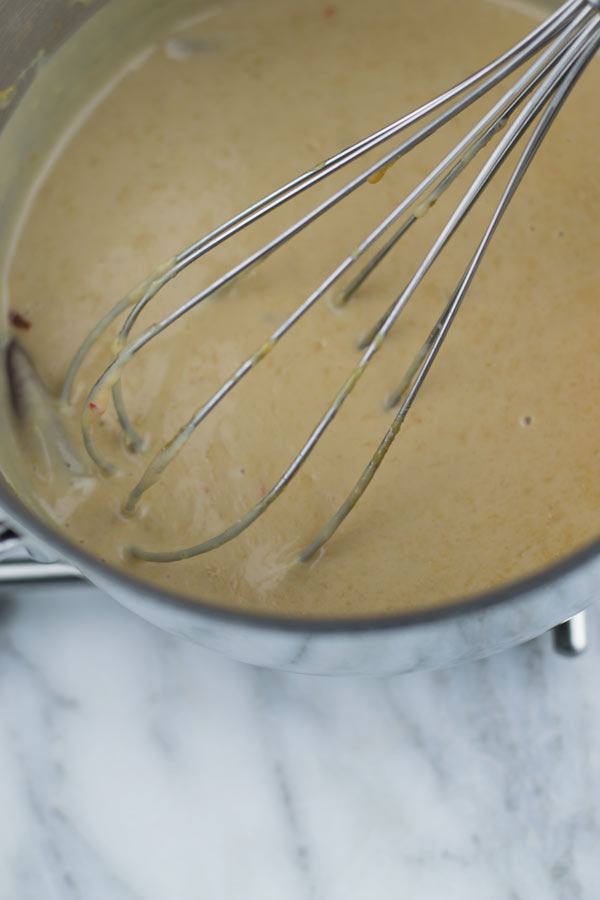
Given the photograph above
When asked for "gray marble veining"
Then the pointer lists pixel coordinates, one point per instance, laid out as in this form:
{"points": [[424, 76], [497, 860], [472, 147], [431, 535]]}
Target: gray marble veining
{"points": [[138, 767]]}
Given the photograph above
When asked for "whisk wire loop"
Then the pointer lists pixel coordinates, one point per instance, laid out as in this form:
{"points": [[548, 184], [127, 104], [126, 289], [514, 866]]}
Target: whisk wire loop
{"points": [[563, 75], [558, 51]]}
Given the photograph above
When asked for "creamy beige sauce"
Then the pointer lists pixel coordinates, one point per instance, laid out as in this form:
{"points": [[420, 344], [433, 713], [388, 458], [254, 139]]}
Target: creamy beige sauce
{"points": [[494, 474]]}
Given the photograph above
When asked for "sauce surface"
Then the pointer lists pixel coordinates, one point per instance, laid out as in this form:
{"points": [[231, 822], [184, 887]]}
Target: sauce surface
{"points": [[494, 474]]}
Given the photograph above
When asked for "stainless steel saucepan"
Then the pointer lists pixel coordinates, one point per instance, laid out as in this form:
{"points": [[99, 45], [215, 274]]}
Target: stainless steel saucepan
{"points": [[35, 103]]}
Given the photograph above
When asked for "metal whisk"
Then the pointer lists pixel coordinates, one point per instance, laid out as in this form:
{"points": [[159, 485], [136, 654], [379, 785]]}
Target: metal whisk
{"points": [[561, 48]]}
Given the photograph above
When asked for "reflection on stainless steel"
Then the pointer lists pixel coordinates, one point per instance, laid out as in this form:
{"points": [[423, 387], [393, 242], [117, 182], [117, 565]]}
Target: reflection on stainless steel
{"points": [[571, 637], [18, 573], [18, 564]]}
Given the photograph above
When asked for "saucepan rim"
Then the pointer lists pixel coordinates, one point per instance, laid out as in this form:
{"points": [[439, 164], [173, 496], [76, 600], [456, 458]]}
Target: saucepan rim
{"points": [[460, 607]]}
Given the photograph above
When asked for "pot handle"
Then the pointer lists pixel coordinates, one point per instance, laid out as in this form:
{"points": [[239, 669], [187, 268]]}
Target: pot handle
{"points": [[571, 637], [19, 566]]}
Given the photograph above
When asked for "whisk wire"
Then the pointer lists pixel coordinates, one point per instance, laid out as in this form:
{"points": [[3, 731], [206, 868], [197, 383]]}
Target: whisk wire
{"points": [[446, 182]]}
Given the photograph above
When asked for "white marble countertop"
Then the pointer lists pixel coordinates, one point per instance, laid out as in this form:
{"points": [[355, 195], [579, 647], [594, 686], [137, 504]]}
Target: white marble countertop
{"points": [[136, 766]]}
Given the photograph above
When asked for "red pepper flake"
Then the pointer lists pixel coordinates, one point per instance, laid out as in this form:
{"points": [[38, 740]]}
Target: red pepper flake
{"points": [[330, 12], [95, 408], [18, 321]]}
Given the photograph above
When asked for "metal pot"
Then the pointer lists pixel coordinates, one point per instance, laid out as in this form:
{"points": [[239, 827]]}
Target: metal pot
{"points": [[376, 646]]}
